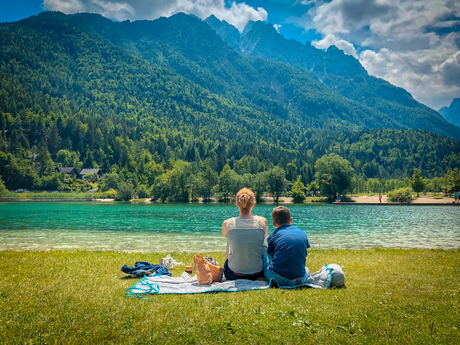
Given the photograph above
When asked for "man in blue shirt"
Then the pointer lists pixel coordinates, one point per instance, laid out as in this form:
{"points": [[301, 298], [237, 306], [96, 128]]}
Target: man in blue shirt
{"points": [[287, 251]]}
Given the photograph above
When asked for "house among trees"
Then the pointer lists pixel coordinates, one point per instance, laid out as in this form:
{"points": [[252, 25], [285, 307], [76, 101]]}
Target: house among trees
{"points": [[69, 171], [85, 172]]}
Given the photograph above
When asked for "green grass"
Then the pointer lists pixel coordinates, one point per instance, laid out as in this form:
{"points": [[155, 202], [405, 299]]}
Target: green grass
{"points": [[59, 195], [45, 195], [391, 296], [315, 199]]}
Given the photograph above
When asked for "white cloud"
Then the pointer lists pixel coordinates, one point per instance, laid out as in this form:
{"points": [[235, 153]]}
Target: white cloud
{"points": [[237, 14], [450, 70], [432, 76], [277, 27], [406, 42], [330, 40]]}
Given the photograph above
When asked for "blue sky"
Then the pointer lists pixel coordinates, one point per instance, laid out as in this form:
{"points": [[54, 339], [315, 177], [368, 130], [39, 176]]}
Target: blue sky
{"points": [[413, 44]]}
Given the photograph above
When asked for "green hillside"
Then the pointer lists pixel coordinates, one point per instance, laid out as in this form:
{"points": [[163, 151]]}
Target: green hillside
{"points": [[83, 91], [342, 73]]}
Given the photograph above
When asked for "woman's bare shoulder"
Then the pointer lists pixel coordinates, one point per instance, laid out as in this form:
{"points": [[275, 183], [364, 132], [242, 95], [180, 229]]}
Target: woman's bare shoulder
{"points": [[263, 219], [227, 221], [226, 226]]}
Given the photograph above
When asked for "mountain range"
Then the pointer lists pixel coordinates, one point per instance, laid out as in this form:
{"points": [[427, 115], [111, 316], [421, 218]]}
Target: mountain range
{"points": [[119, 94], [340, 72]]}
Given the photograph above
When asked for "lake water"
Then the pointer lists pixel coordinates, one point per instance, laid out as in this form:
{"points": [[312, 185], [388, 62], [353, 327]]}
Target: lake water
{"points": [[197, 227]]}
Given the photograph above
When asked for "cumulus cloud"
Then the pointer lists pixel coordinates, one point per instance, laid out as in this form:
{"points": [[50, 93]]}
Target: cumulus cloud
{"points": [[432, 76], [412, 44], [277, 27], [237, 14], [330, 40], [450, 70]]}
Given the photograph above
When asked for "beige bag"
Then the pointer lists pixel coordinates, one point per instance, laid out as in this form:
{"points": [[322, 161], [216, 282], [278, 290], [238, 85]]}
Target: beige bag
{"points": [[206, 272]]}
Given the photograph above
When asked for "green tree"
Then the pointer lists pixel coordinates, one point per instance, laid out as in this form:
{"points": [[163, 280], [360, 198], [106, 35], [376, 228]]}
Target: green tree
{"points": [[142, 191], [436, 184], [276, 182], [124, 191], [229, 182], [451, 182], [151, 171], [44, 160], [260, 185], [333, 174], [210, 178], [291, 172], [417, 183], [313, 186], [298, 191], [110, 181], [68, 159], [180, 174], [163, 187], [195, 185], [52, 182], [3, 190]]}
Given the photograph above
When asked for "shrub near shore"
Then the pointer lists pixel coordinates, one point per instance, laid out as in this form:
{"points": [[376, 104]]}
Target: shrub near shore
{"points": [[391, 296]]}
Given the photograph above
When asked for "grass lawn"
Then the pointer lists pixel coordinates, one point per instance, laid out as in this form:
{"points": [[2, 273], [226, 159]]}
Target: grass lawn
{"points": [[391, 296]]}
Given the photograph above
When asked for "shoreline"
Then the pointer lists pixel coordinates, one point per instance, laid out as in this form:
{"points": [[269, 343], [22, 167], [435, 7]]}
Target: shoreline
{"points": [[372, 199], [188, 252], [360, 200]]}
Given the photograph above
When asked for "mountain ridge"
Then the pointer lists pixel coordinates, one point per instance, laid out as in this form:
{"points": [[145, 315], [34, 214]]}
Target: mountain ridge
{"points": [[452, 112], [343, 74]]}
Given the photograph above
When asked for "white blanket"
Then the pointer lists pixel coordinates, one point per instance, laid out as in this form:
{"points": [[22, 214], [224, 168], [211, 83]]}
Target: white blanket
{"points": [[329, 275]]}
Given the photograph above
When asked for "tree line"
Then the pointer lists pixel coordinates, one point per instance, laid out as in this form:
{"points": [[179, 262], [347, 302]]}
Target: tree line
{"points": [[187, 181]]}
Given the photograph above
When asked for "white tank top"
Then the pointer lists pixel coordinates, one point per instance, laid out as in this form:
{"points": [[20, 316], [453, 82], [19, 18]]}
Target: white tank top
{"points": [[246, 239]]}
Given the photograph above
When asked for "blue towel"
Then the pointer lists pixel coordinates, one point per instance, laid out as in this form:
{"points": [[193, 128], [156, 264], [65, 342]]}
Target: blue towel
{"points": [[142, 268]]}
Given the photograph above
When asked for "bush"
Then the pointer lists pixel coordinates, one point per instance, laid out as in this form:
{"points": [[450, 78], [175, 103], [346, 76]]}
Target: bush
{"points": [[111, 194], [405, 192]]}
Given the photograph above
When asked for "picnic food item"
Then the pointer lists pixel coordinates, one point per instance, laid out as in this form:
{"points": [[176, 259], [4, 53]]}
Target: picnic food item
{"points": [[206, 272]]}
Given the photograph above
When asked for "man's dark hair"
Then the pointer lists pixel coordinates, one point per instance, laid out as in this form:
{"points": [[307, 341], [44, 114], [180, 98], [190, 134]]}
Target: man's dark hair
{"points": [[281, 215]]}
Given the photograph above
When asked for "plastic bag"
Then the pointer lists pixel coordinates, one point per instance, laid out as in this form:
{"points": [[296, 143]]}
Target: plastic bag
{"points": [[169, 262]]}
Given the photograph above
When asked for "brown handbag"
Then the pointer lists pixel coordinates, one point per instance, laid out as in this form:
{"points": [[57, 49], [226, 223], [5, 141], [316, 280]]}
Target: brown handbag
{"points": [[206, 272]]}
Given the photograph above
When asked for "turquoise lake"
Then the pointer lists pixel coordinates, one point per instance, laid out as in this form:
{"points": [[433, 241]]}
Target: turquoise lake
{"points": [[197, 227]]}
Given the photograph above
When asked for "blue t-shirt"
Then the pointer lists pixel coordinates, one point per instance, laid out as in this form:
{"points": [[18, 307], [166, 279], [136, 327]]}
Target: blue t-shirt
{"points": [[288, 246]]}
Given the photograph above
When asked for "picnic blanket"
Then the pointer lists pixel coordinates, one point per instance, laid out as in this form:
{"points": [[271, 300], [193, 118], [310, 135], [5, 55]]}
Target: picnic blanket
{"points": [[329, 276]]}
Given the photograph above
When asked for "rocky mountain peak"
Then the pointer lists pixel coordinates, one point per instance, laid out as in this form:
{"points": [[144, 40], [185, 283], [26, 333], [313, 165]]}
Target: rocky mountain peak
{"points": [[261, 39], [226, 31], [452, 113]]}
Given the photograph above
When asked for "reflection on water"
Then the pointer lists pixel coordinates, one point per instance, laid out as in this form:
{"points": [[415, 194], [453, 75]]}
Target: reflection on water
{"points": [[197, 227]]}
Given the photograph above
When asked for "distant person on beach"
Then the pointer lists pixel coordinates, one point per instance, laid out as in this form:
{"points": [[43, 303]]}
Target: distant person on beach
{"points": [[245, 240], [398, 197], [380, 198], [456, 197], [287, 251]]}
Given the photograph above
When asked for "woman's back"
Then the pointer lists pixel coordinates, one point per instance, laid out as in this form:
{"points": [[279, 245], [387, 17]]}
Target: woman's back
{"points": [[246, 238]]}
